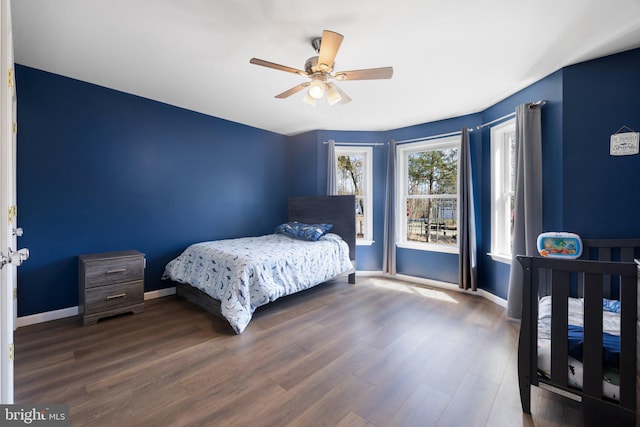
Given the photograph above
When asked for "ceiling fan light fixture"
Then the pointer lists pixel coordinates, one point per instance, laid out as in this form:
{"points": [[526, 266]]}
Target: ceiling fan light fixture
{"points": [[320, 71], [316, 89], [333, 96], [309, 100]]}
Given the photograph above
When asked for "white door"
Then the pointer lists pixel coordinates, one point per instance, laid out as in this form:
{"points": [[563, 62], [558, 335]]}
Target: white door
{"points": [[9, 257]]}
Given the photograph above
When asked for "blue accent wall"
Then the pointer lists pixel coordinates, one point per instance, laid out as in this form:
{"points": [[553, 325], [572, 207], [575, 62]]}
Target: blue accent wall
{"points": [[100, 170], [303, 164], [601, 191]]}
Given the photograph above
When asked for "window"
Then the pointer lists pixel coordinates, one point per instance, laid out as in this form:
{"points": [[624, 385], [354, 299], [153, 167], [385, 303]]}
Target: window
{"points": [[427, 199], [355, 176], [503, 180]]}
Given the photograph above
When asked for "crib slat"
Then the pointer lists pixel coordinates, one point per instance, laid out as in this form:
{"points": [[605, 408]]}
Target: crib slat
{"points": [[559, 314], [628, 317], [626, 254], [604, 254], [592, 351], [527, 347]]}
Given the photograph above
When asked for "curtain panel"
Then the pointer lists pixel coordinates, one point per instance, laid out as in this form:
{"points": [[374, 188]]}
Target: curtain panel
{"points": [[467, 265], [528, 198], [332, 169], [389, 243]]}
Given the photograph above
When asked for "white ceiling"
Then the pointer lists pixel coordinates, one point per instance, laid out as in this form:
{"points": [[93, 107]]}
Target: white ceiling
{"points": [[450, 58]]}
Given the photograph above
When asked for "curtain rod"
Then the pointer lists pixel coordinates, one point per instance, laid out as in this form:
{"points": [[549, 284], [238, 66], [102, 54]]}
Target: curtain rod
{"points": [[507, 116], [499, 119], [354, 143], [426, 138]]}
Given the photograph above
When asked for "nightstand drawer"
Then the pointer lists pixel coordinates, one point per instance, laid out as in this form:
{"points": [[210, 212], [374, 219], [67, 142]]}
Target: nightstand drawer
{"points": [[113, 270], [109, 297]]}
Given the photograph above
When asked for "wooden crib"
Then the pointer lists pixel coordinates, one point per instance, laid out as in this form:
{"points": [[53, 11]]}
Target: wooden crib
{"points": [[606, 270]]}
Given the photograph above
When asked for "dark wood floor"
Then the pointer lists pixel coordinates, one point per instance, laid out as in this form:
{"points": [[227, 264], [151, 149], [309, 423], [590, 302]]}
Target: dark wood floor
{"points": [[380, 353]]}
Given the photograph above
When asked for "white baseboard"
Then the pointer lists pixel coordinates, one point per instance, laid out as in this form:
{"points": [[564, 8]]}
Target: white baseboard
{"points": [[491, 297], [369, 273], [46, 316], [73, 311], [159, 293]]}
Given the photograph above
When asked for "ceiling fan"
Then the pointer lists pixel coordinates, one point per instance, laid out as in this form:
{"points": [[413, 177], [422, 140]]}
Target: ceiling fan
{"points": [[320, 70]]}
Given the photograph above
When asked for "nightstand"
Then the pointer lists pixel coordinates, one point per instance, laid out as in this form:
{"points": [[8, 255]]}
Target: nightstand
{"points": [[110, 283]]}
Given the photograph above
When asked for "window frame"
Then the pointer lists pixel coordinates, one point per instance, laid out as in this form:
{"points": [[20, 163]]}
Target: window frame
{"points": [[402, 178], [501, 191], [367, 191]]}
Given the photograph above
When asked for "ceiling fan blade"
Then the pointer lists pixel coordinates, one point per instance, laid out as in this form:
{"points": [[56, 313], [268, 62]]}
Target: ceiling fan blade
{"points": [[367, 74], [344, 97], [275, 66], [329, 46], [295, 89]]}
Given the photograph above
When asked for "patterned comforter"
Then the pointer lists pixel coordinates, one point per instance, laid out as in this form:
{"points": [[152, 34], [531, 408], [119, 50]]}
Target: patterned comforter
{"points": [[248, 272]]}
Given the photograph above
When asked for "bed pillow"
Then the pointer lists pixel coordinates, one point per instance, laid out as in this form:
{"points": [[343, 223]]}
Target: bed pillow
{"points": [[611, 305], [299, 230]]}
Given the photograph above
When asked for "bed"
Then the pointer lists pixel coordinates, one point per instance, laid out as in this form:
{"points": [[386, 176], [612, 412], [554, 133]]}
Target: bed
{"points": [[231, 278], [578, 332]]}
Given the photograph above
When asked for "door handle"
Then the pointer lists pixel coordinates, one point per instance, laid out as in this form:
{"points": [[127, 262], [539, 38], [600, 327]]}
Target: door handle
{"points": [[14, 257]]}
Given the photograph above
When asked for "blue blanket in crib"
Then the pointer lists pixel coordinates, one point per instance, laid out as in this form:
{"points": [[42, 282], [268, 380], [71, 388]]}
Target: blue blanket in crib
{"points": [[610, 346]]}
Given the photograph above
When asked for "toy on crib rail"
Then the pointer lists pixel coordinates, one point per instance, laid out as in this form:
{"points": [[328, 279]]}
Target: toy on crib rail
{"points": [[560, 245]]}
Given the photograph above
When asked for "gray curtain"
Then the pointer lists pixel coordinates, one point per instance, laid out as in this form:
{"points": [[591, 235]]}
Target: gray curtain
{"points": [[332, 168], [389, 248], [528, 198], [467, 265]]}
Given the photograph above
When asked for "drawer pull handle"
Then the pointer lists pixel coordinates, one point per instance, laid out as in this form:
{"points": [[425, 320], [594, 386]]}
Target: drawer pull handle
{"points": [[122, 295], [119, 270]]}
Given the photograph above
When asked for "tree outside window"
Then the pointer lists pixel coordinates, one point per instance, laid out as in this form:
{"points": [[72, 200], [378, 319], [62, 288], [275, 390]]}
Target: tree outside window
{"points": [[428, 177], [354, 177]]}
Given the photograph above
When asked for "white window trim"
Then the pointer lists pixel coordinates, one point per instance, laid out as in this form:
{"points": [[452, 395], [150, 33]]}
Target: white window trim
{"points": [[401, 202], [367, 191], [500, 258], [500, 177]]}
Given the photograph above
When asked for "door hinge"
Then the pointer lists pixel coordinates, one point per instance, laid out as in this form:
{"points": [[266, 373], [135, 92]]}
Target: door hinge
{"points": [[10, 77], [15, 127], [11, 352], [15, 293], [13, 211]]}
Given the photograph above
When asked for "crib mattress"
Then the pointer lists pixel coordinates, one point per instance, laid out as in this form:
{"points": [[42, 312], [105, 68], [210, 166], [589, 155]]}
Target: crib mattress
{"points": [[611, 344]]}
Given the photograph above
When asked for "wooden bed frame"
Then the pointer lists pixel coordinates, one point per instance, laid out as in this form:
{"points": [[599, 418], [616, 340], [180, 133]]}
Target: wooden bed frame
{"points": [[336, 210], [607, 269]]}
